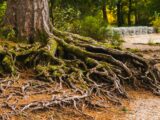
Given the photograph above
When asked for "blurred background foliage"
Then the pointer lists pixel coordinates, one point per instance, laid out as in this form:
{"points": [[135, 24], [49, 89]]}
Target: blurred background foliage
{"points": [[94, 18], [2, 10]]}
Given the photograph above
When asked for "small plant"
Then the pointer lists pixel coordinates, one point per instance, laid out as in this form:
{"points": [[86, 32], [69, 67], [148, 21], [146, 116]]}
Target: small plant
{"points": [[96, 28], [113, 38], [92, 27], [7, 32], [64, 18], [134, 50], [2, 10], [124, 109], [150, 42], [156, 22], [71, 20]]}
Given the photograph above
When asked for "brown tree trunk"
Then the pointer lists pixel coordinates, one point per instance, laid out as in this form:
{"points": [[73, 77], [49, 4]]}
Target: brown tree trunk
{"points": [[136, 13], [1, 1], [29, 18], [80, 63], [119, 13], [51, 10], [104, 10], [129, 12]]}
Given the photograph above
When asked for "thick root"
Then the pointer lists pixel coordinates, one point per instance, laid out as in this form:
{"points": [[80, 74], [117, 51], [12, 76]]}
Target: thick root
{"points": [[81, 64]]}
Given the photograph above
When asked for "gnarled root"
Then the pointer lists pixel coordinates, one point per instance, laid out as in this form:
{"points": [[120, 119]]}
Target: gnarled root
{"points": [[81, 64]]}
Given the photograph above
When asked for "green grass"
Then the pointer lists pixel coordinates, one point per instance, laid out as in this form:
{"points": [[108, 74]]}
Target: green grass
{"points": [[152, 43]]}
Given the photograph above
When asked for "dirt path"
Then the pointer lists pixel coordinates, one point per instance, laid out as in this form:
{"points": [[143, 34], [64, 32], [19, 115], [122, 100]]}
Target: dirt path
{"points": [[144, 106], [145, 109], [141, 41]]}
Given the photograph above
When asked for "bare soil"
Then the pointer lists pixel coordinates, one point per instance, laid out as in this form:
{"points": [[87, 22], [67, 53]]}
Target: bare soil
{"points": [[142, 42]]}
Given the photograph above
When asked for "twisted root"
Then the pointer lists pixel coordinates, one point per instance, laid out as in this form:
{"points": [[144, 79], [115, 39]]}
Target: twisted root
{"points": [[81, 64]]}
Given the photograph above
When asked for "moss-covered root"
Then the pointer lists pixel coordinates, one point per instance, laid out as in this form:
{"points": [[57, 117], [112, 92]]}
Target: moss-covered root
{"points": [[125, 66], [82, 65], [89, 66]]}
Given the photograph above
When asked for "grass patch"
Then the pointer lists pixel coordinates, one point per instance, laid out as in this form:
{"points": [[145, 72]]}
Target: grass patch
{"points": [[152, 43]]}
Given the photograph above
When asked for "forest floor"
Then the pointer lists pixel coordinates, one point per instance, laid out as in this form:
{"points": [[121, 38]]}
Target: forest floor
{"points": [[141, 105]]}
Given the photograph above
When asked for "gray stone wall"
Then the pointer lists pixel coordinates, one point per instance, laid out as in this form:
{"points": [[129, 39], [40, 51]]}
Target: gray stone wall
{"points": [[130, 31]]}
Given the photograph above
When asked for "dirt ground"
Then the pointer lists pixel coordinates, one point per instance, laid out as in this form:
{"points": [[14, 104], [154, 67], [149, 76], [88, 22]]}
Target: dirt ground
{"points": [[141, 105], [142, 42], [15, 94]]}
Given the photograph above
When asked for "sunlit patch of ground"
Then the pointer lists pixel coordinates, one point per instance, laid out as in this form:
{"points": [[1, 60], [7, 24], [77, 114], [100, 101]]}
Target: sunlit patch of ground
{"points": [[145, 109], [142, 42], [142, 105]]}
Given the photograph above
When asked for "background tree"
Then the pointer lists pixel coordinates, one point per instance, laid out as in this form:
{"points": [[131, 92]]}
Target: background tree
{"points": [[120, 12], [129, 11]]}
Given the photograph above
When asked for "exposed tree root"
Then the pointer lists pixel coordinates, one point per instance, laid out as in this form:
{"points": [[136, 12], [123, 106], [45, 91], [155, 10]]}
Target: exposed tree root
{"points": [[82, 64]]}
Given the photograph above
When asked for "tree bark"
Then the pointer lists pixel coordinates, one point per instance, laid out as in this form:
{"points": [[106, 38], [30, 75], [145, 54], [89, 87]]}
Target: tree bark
{"points": [[29, 18], [51, 10], [1, 1], [129, 12], [80, 63], [119, 13], [105, 17], [136, 14]]}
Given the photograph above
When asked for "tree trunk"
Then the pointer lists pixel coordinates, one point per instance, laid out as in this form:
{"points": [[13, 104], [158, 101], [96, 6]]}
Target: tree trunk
{"points": [[129, 12], [136, 13], [29, 18], [105, 17], [119, 13], [51, 10], [136, 17], [80, 63], [1, 1]]}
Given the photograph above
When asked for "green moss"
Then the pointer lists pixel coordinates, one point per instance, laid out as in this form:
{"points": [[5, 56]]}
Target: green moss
{"points": [[7, 32], [46, 71], [3, 6], [134, 50], [53, 46], [56, 74], [1, 70], [41, 37], [54, 67], [60, 51], [91, 62], [152, 43], [84, 86], [106, 65], [8, 64], [124, 109], [41, 68]]}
